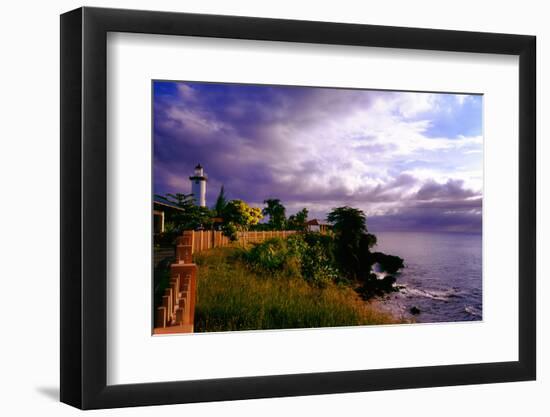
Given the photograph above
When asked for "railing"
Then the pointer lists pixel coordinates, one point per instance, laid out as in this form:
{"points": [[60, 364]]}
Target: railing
{"points": [[177, 313]]}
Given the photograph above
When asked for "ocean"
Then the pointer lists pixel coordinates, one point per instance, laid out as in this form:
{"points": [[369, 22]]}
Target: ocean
{"points": [[442, 277]]}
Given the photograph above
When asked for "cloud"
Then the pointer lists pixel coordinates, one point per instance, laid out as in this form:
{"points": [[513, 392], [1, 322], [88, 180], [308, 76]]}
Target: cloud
{"points": [[452, 189], [321, 148]]}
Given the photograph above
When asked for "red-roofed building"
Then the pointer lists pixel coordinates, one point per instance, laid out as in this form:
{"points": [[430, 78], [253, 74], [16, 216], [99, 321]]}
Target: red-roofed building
{"points": [[316, 225]]}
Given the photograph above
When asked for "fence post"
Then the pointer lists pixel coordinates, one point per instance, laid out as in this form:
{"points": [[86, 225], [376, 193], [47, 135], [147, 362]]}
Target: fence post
{"points": [[174, 283], [167, 303], [184, 253], [160, 320], [188, 238], [180, 313]]}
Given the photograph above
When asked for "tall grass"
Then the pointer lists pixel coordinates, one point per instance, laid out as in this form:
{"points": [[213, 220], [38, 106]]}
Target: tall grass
{"points": [[231, 296]]}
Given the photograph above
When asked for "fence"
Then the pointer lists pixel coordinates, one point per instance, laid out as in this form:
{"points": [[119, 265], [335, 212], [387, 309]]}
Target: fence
{"points": [[177, 313], [207, 239]]}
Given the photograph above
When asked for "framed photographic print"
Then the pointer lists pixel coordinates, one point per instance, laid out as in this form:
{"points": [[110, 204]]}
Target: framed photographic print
{"points": [[258, 207]]}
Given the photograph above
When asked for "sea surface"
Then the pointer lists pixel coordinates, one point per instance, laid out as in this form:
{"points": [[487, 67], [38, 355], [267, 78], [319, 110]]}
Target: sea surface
{"points": [[442, 276]]}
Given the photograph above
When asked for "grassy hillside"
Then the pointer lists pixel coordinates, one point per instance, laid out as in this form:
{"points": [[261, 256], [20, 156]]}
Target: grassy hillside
{"points": [[233, 296]]}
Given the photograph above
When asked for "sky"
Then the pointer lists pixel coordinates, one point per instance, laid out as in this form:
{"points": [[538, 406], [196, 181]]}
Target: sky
{"points": [[411, 161]]}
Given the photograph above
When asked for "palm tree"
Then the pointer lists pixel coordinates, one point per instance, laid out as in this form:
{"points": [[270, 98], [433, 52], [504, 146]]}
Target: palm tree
{"points": [[276, 212], [298, 221], [350, 230]]}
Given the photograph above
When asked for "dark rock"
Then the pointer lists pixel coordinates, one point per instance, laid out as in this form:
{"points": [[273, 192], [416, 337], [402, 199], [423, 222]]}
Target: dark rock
{"points": [[374, 287], [387, 283], [414, 310]]}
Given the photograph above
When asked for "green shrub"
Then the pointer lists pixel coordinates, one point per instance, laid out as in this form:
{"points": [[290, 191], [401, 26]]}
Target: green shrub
{"points": [[230, 230], [231, 296], [272, 255], [317, 259], [308, 256]]}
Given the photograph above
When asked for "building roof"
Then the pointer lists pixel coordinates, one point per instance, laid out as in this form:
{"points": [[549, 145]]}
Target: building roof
{"points": [[317, 222], [165, 204]]}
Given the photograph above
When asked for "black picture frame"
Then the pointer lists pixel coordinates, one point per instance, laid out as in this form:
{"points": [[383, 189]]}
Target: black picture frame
{"points": [[84, 207]]}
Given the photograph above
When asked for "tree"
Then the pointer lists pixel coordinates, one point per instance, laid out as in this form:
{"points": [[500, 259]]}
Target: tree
{"points": [[352, 252], [187, 216], [221, 203], [350, 234], [370, 240], [239, 216], [179, 200], [276, 212], [348, 223], [298, 221]]}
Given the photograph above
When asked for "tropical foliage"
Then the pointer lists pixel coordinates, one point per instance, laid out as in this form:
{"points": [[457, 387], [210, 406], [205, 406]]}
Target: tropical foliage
{"points": [[341, 256], [238, 217], [349, 226], [353, 253], [276, 212], [231, 296], [186, 216], [298, 221], [306, 256]]}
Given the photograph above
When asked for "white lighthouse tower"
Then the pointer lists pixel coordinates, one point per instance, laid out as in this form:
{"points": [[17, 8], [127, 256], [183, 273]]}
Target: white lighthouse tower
{"points": [[198, 186]]}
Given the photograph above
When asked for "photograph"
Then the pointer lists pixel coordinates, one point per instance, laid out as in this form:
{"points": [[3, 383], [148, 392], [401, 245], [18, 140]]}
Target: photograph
{"points": [[287, 207]]}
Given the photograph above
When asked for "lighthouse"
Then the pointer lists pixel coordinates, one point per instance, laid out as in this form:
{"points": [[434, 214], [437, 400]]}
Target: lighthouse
{"points": [[198, 186]]}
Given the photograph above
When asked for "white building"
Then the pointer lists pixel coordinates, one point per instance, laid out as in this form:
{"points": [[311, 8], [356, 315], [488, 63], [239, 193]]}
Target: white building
{"points": [[198, 186]]}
